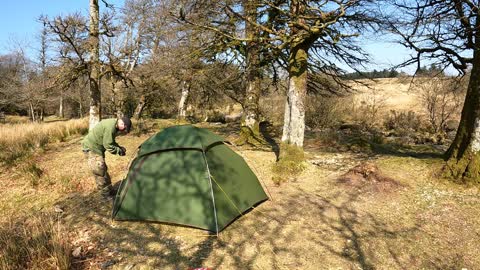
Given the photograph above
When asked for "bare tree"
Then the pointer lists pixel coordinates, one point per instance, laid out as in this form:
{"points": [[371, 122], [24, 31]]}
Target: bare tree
{"points": [[373, 101], [294, 32], [94, 64], [125, 47], [250, 125], [68, 36], [32, 87], [235, 39], [447, 33], [10, 82], [441, 100]]}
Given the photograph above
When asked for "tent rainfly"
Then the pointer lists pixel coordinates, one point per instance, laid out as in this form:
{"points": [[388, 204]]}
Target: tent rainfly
{"points": [[187, 175]]}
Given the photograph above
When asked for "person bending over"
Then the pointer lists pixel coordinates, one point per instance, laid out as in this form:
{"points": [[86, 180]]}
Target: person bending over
{"points": [[99, 140]]}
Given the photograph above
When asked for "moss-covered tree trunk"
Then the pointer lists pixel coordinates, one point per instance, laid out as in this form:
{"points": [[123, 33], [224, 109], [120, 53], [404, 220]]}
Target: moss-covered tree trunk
{"points": [[463, 156], [294, 119], [250, 124], [94, 77], [290, 161]]}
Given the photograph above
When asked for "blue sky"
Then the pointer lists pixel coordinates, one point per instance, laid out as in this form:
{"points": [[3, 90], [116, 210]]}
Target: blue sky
{"points": [[18, 18], [19, 23]]}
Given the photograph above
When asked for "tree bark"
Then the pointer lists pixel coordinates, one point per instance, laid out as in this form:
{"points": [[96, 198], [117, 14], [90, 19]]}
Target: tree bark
{"points": [[80, 104], [32, 112], [182, 106], [40, 119], [94, 77], [294, 120], [60, 107], [463, 156], [139, 109], [117, 98], [251, 112]]}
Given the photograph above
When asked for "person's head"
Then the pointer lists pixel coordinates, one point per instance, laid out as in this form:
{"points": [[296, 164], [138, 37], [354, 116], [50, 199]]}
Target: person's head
{"points": [[124, 124]]}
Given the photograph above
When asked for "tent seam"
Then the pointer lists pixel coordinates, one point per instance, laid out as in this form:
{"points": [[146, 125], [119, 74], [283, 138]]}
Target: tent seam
{"points": [[211, 191]]}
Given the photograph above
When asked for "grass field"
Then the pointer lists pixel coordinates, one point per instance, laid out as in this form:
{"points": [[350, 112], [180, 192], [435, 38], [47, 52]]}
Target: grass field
{"points": [[398, 215]]}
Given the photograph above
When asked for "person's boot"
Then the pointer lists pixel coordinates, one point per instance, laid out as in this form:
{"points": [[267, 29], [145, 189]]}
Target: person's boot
{"points": [[107, 193]]}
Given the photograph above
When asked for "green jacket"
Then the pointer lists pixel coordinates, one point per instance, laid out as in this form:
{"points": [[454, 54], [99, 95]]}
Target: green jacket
{"points": [[102, 138]]}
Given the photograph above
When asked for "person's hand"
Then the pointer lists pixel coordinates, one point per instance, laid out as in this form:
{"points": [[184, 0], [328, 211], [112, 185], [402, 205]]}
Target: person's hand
{"points": [[122, 151]]}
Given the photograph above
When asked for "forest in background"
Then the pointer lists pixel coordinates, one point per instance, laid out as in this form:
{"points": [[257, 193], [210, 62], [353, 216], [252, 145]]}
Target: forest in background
{"points": [[192, 59]]}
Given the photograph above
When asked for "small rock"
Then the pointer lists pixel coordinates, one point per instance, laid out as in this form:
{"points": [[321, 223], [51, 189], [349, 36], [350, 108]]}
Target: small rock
{"points": [[77, 252], [57, 209]]}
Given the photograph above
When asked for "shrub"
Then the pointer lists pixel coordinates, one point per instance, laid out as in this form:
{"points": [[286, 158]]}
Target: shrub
{"points": [[272, 108], [442, 99], [323, 112], [371, 104], [402, 122]]}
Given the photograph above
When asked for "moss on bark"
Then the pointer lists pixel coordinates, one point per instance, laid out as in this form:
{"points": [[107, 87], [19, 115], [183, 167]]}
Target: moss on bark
{"points": [[464, 169], [290, 164], [251, 136], [463, 156]]}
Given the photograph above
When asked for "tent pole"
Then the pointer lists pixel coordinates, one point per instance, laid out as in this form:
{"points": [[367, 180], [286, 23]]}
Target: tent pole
{"points": [[211, 190]]}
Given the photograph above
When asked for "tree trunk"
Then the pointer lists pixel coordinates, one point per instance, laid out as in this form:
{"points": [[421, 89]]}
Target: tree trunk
{"points": [[80, 108], [41, 115], [182, 106], [116, 98], [32, 112], [60, 107], [139, 109], [250, 124], [463, 156], [294, 120], [94, 78]]}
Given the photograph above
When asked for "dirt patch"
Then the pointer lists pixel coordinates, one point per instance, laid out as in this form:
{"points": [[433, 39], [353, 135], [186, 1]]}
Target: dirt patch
{"points": [[368, 177]]}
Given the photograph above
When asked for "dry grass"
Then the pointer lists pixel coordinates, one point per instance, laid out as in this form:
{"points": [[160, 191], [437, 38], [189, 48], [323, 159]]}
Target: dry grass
{"points": [[18, 140], [37, 242], [314, 222], [15, 119], [398, 94]]}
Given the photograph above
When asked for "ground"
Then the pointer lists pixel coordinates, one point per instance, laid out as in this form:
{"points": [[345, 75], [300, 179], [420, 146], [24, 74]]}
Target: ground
{"points": [[357, 205], [318, 220]]}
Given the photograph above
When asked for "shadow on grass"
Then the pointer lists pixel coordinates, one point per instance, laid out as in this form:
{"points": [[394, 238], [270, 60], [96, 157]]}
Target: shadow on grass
{"points": [[303, 231], [416, 151], [338, 141], [269, 132]]}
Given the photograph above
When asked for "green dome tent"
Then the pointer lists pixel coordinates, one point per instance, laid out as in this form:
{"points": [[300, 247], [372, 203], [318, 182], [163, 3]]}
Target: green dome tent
{"points": [[187, 175]]}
